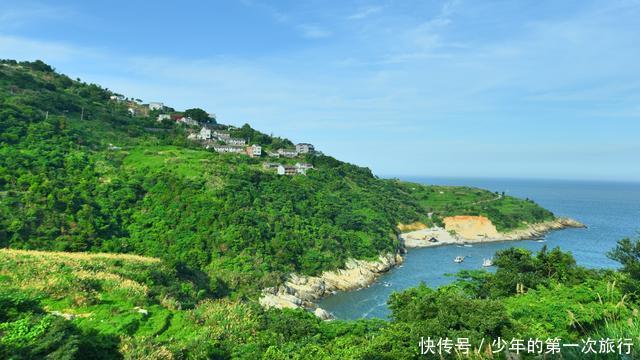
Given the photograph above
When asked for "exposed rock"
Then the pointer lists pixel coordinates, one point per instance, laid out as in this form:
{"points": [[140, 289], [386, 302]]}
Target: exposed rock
{"points": [[472, 229], [301, 291], [323, 314]]}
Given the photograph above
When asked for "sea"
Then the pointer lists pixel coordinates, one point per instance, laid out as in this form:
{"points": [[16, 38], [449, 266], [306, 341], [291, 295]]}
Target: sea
{"points": [[611, 211]]}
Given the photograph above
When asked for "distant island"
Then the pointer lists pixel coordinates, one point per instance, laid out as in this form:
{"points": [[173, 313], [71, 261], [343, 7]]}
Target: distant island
{"points": [[130, 229]]}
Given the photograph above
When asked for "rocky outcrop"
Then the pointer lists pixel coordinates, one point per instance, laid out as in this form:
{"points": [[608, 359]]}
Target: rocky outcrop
{"points": [[302, 291], [475, 229], [540, 229]]}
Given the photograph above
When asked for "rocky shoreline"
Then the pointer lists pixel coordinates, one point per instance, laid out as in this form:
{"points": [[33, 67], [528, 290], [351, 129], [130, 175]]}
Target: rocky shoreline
{"points": [[303, 291], [422, 237]]}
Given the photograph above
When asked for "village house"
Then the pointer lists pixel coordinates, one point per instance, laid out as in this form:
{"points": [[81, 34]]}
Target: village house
{"points": [[273, 154], [162, 117], [132, 111], [254, 150], [204, 134], [156, 106], [235, 141], [302, 168], [270, 165], [117, 98], [188, 121], [304, 148], [287, 170], [288, 152], [221, 135], [228, 149]]}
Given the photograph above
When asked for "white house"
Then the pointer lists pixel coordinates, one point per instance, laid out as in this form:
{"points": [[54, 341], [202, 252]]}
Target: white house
{"points": [[287, 170], [204, 134], [254, 150], [162, 117], [132, 111], [304, 148], [221, 135], [287, 152], [188, 121], [156, 106], [301, 168], [228, 149], [237, 142]]}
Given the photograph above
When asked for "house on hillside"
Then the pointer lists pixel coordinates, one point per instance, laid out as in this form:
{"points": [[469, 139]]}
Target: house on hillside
{"points": [[117, 98], [188, 121], [288, 152], [273, 154], [162, 117], [204, 134], [304, 148], [132, 111], [156, 106], [221, 135], [301, 168], [228, 149], [254, 150], [270, 165], [287, 170], [236, 142]]}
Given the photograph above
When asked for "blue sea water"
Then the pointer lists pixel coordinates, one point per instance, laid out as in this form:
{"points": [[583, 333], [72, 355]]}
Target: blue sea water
{"points": [[611, 210]]}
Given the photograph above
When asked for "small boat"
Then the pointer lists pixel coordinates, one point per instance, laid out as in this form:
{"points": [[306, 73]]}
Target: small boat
{"points": [[458, 259], [467, 245], [541, 240], [386, 284], [487, 262]]}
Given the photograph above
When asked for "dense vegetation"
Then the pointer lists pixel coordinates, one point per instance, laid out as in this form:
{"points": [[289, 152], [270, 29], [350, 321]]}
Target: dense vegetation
{"points": [[78, 173], [118, 306]]}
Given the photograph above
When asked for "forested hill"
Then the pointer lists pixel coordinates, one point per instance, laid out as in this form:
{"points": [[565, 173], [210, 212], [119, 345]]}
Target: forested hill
{"points": [[85, 169]]}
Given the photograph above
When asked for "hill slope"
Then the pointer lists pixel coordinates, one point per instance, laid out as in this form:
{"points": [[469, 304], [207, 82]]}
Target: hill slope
{"points": [[79, 173]]}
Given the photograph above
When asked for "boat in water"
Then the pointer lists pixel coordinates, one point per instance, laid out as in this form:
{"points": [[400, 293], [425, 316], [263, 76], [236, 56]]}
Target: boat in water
{"points": [[487, 263], [458, 259], [467, 245]]}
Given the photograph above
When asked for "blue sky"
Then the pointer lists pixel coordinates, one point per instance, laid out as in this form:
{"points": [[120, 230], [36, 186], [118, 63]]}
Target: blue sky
{"points": [[546, 89]]}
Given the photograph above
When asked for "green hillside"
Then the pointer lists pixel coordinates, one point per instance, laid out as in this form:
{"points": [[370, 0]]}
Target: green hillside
{"points": [[79, 173], [122, 239]]}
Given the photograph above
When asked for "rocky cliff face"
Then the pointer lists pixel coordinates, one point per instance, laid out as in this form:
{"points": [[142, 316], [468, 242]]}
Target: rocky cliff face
{"points": [[302, 291]]}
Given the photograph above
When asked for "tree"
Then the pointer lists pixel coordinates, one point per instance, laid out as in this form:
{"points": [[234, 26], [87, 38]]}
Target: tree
{"points": [[627, 253], [198, 115]]}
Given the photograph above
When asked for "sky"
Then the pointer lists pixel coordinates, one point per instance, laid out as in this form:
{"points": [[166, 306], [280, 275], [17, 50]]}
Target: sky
{"points": [[516, 89]]}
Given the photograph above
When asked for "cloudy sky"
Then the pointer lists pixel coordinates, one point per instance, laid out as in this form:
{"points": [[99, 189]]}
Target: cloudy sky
{"points": [[547, 89]]}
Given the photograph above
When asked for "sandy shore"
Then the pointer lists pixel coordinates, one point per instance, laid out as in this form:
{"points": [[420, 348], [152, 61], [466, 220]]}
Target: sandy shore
{"points": [[449, 235]]}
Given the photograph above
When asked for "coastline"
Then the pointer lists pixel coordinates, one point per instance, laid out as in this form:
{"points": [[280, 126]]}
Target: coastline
{"points": [[301, 291], [420, 238]]}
